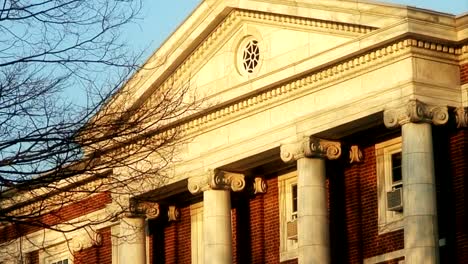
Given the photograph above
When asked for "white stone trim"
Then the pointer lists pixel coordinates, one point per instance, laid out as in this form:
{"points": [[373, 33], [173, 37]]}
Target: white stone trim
{"points": [[196, 222], [388, 221], [386, 257], [288, 248], [47, 238], [55, 253], [115, 232]]}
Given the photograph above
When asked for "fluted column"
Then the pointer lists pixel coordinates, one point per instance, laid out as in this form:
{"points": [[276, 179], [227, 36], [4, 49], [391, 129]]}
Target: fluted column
{"points": [[312, 221], [419, 189], [132, 235], [217, 231]]}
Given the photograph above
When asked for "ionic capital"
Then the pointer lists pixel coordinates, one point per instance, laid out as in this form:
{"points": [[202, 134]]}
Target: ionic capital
{"points": [[461, 114], [355, 154], [310, 147], [87, 240], [173, 213], [149, 210], [216, 180], [415, 112], [259, 185]]}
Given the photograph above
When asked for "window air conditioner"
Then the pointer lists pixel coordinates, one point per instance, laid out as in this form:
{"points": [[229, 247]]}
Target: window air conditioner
{"points": [[292, 230], [395, 200]]}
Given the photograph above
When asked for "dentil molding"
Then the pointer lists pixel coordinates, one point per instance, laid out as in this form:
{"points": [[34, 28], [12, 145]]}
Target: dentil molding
{"points": [[216, 180], [415, 112], [310, 147]]}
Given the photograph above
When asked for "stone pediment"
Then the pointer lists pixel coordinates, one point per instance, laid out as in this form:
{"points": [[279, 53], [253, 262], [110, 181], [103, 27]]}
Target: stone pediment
{"points": [[228, 50], [250, 45], [207, 50]]}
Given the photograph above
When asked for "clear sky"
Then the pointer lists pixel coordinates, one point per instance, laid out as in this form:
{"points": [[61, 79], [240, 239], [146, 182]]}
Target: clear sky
{"points": [[160, 18]]}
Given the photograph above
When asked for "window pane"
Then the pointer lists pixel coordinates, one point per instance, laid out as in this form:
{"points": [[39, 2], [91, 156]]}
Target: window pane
{"points": [[396, 168], [294, 198]]}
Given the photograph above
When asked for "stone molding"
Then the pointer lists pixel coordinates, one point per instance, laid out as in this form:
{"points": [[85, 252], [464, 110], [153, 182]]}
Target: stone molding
{"points": [[259, 185], [322, 76], [85, 241], [216, 180], [415, 112], [310, 147], [173, 213], [149, 210], [461, 116], [355, 154]]}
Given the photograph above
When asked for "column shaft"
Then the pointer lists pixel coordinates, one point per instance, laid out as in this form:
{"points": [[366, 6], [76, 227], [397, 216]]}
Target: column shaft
{"points": [[312, 225], [217, 226], [419, 195], [132, 240]]}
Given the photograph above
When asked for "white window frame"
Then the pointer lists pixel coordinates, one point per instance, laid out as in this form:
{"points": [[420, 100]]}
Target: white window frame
{"points": [[196, 233], [56, 253], [388, 221], [288, 247]]}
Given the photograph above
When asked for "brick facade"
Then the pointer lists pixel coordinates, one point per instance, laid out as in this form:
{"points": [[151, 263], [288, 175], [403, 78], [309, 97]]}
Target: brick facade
{"points": [[97, 254], [464, 73], [63, 214], [256, 227], [458, 217], [172, 241]]}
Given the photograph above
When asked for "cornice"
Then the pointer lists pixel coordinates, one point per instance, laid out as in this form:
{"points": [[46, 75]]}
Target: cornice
{"points": [[286, 91]]}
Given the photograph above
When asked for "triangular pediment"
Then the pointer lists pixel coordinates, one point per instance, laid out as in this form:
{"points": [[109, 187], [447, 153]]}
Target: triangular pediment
{"points": [[210, 49]]}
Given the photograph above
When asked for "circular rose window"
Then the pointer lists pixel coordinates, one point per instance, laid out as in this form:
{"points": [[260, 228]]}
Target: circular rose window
{"points": [[250, 55]]}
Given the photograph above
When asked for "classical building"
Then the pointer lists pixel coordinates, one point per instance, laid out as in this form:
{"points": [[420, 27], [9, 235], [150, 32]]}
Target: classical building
{"points": [[336, 133]]}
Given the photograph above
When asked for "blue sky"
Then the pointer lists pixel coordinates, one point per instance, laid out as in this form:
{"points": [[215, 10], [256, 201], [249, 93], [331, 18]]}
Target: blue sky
{"points": [[160, 18]]}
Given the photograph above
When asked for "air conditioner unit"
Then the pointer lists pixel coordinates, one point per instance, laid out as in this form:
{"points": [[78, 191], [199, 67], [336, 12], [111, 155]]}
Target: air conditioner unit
{"points": [[292, 230], [395, 200]]}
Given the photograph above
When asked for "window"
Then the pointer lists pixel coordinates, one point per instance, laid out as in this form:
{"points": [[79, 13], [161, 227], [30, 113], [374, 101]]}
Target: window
{"points": [[63, 261], [196, 218], [61, 258], [389, 185], [287, 188], [59, 254], [251, 55]]}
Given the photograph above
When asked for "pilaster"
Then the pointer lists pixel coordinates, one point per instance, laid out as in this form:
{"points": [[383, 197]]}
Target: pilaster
{"points": [[461, 115]]}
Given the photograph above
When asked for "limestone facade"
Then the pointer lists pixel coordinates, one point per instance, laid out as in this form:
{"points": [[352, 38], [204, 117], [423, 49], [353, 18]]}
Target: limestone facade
{"points": [[335, 133]]}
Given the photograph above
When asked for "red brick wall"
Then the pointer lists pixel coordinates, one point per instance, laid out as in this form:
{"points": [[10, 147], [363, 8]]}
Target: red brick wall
{"points": [[361, 215], [256, 227], [177, 240], [464, 73], [459, 181], [65, 213], [99, 254]]}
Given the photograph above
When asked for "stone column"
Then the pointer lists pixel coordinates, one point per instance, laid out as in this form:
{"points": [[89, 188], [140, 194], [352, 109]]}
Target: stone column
{"points": [[132, 235], [312, 221], [419, 189], [217, 231]]}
